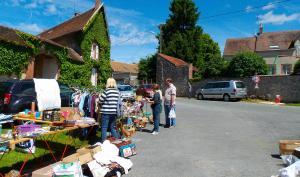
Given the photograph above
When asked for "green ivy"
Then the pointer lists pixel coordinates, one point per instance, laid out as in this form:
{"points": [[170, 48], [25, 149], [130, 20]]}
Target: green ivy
{"points": [[14, 58], [91, 33]]}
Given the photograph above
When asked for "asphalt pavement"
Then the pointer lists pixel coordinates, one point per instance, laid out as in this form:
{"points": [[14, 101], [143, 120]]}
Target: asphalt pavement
{"points": [[216, 139]]}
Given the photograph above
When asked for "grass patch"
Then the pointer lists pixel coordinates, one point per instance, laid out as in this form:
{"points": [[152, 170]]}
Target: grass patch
{"points": [[293, 104], [42, 156]]}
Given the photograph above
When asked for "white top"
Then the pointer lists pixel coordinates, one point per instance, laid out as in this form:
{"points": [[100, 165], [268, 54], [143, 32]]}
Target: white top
{"points": [[171, 90]]}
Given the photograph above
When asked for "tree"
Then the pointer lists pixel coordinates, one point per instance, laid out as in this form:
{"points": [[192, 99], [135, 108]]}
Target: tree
{"points": [[183, 38], [247, 63], [297, 68], [211, 56], [147, 68], [181, 34]]}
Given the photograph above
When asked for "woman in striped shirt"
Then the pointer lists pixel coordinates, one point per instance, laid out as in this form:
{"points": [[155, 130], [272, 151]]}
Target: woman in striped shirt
{"points": [[109, 101]]}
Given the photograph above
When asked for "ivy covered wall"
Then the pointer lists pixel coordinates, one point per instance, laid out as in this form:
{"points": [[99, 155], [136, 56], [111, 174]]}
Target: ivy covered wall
{"points": [[14, 58], [96, 32]]}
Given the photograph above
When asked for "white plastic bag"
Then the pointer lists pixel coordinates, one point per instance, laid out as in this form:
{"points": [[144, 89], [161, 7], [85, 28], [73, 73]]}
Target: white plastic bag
{"points": [[172, 114]]}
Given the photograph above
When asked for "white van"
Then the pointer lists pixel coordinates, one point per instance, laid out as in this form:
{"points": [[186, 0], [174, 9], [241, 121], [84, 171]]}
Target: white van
{"points": [[225, 90]]}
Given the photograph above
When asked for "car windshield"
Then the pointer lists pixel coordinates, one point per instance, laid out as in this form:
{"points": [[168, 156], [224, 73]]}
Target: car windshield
{"points": [[240, 85], [125, 88], [148, 86]]}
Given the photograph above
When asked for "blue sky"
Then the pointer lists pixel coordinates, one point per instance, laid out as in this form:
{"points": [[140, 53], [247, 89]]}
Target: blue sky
{"points": [[133, 23]]}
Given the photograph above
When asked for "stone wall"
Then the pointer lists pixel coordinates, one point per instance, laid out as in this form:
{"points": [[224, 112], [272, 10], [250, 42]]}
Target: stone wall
{"points": [[179, 75], [288, 87]]}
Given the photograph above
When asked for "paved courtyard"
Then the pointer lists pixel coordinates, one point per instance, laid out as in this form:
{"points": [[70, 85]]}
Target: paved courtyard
{"points": [[217, 139]]}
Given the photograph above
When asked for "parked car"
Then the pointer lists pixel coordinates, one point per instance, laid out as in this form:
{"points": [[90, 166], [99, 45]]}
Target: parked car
{"points": [[126, 92], [226, 90], [17, 95], [145, 90]]}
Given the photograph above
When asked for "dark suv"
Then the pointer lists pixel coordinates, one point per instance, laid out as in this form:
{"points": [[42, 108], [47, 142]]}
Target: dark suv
{"points": [[17, 95]]}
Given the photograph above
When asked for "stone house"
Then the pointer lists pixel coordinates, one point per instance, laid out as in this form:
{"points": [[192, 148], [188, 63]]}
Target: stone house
{"points": [[280, 50], [85, 37], [125, 73], [176, 69]]}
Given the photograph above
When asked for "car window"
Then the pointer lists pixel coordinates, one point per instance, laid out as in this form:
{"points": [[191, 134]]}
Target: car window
{"points": [[239, 85], [125, 88], [5, 86], [209, 85], [27, 88], [148, 86], [218, 85], [224, 84]]}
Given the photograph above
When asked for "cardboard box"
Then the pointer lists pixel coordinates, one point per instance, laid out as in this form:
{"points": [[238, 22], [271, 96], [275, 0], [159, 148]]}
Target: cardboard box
{"points": [[44, 172], [90, 149], [83, 158], [287, 147]]}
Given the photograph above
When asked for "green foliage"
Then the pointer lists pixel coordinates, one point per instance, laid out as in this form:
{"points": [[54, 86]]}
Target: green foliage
{"points": [[147, 68], [246, 63], [184, 39], [213, 64], [91, 34], [180, 34], [297, 68], [13, 58]]}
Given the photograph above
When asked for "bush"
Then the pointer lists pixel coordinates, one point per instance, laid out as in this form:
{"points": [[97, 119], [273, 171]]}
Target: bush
{"points": [[247, 63], [297, 68]]}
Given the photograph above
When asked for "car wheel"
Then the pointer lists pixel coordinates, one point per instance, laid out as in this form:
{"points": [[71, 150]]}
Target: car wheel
{"points": [[200, 96], [226, 97]]}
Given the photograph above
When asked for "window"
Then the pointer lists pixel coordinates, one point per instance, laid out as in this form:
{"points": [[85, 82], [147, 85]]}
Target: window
{"points": [[271, 69], [239, 85], [27, 88], [95, 51], [286, 69], [94, 77]]}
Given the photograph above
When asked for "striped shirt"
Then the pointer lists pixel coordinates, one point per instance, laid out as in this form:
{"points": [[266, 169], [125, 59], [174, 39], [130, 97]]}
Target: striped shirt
{"points": [[109, 101]]}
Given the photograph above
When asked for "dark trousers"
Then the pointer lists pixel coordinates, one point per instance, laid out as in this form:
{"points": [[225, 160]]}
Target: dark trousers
{"points": [[156, 117], [108, 120]]}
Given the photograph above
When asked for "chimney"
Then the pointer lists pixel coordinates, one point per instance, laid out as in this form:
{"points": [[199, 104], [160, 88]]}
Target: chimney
{"points": [[76, 14], [260, 28], [97, 4]]}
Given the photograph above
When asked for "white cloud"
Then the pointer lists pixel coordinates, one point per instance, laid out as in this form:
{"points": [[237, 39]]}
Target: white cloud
{"points": [[124, 12], [31, 5], [249, 8], [29, 28], [50, 10], [269, 6], [277, 19], [130, 34]]}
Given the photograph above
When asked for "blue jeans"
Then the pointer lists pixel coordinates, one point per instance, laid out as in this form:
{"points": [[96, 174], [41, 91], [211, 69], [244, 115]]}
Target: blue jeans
{"points": [[108, 120], [156, 117], [169, 122]]}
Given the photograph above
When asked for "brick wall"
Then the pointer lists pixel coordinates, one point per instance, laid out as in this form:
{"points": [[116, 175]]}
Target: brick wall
{"points": [[288, 87]]}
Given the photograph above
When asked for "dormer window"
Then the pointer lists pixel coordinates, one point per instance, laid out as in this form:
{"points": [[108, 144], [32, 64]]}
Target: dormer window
{"points": [[274, 47], [95, 51]]}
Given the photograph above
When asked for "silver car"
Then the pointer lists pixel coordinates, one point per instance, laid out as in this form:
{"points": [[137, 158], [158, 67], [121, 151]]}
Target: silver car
{"points": [[126, 92], [225, 90]]}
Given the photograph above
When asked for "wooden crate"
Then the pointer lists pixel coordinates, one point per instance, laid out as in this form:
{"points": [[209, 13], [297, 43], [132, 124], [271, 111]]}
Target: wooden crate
{"points": [[288, 146]]}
